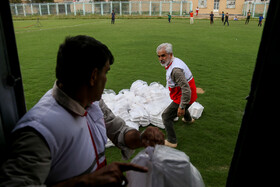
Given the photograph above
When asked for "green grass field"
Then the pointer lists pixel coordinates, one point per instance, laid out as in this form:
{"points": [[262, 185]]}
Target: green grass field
{"points": [[221, 58]]}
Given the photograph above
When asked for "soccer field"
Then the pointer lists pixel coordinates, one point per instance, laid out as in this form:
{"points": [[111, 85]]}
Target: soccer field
{"points": [[221, 58]]}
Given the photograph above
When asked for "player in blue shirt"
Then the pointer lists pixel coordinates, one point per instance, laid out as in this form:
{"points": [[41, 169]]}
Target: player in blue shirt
{"points": [[260, 20], [211, 18], [113, 17]]}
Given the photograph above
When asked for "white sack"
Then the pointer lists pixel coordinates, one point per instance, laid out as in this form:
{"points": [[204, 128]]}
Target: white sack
{"points": [[167, 167], [196, 110], [143, 104]]}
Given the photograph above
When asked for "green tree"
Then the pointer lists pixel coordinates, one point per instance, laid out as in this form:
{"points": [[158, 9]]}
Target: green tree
{"points": [[42, 1], [15, 1]]}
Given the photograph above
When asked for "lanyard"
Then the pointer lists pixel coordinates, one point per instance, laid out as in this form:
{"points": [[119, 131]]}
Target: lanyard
{"points": [[94, 146], [99, 165]]}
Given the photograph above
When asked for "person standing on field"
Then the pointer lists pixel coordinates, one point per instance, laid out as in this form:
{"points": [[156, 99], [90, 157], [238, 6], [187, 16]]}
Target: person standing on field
{"points": [[260, 20], [226, 19], [197, 9], [182, 89], [169, 17], [191, 17], [248, 17], [113, 17], [211, 18]]}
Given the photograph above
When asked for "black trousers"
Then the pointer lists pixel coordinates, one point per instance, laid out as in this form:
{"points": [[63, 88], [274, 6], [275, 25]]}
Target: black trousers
{"points": [[247, 20], [226, 22], [168, 116]]}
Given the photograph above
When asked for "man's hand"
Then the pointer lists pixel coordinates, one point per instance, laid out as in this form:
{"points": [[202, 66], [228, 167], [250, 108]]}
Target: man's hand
{"points": [[110, 175], [152, 136], [180, 112]]}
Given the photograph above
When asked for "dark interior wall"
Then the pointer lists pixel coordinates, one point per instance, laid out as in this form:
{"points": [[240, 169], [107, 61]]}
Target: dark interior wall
{"points": [[255, 160], [12, 103]]}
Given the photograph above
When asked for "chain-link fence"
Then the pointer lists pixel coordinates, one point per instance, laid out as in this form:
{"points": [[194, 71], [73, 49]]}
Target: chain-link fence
{"points": [[256, 9], [104, 8]]}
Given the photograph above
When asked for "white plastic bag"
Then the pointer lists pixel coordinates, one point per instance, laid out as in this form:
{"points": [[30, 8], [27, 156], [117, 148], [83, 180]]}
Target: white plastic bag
{"points": [[167, 167], [196, 110]]}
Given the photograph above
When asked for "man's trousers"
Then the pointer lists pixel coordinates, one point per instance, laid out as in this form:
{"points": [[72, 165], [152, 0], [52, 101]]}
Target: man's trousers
{"points": [[168, 116]]}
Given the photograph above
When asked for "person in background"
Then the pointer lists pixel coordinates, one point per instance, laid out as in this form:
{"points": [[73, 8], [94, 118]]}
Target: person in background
{"points": [[182, 89], [211, 18], [260, 20], [191, 17], [223, 16], [113, 17], [226, 19], [169, 17], [196, 10], [61, 140], [248, 17], [235, 18]]}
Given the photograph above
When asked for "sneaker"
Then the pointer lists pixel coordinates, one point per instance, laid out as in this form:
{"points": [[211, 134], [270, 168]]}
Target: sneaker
{"points": [[189, 122], [176, 119], [167, 143]]}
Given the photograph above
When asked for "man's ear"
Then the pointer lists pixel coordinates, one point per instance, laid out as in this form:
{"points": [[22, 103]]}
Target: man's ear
{"points": [[93, 77]]}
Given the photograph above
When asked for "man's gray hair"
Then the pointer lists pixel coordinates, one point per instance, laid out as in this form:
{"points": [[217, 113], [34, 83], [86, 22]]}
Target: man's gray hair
{"points": [[166, 46]]}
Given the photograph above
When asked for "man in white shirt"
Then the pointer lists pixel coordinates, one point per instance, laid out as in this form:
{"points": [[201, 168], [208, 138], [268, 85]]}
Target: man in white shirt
{"points": [[61, 140]]}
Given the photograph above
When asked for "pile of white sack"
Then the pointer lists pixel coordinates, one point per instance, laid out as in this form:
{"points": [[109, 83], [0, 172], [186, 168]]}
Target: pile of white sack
{"points": [[143, 104]]}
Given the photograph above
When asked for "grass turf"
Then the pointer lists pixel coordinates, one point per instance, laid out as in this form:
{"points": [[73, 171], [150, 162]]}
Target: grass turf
{"points": [[221, 59]]}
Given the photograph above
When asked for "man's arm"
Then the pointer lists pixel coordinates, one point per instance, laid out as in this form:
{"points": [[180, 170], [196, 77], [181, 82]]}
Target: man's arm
{"points": [[177, 75], [29, 161], [126, 137], [110, 175], [179, 78]]}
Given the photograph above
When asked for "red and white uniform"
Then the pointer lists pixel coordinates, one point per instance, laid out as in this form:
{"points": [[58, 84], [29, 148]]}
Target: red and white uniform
{"points": [[175, 90]]}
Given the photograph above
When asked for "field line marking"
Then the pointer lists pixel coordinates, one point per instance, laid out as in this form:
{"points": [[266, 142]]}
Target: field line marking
{"points": [[61, 27]]}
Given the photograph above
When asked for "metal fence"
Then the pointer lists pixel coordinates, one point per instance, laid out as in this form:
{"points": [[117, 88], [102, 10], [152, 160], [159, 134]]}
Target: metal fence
{"points": [[256, 9], [150, 8]]}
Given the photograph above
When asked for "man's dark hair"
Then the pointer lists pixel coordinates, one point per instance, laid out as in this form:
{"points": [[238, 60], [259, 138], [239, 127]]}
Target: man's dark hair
{"points": [[77, 57]]}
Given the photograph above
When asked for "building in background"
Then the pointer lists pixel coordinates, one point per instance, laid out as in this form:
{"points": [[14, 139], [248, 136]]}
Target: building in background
{"points": [[218, 6]]}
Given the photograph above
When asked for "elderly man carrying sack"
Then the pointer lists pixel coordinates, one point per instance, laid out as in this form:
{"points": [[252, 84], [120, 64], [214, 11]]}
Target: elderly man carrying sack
{"points": [[182, 89]]}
